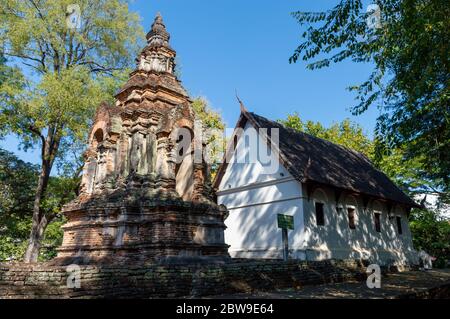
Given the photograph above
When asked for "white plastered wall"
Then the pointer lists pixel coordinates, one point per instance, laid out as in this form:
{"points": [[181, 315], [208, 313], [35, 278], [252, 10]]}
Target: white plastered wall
{"points": [[254, 193]]}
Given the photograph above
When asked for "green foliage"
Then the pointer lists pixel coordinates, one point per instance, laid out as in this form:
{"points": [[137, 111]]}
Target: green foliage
{"points": [[17, 187], [432, 234], [3, 75], [17, 184], [52, 239], [72, 70], [110, 84], [11, 82], [37, 31], [13, 239], [403, 171], [63, 101], [60, 191], [209, 117], [213, 129], [410, 80], [345, 133], [64, 73]]}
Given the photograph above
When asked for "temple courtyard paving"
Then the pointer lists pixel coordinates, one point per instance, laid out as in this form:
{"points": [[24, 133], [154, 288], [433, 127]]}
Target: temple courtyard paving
{"points": [[412, 284]]}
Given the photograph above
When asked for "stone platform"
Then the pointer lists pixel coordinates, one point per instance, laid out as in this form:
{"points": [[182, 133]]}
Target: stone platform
{"points": [[18, 281]]}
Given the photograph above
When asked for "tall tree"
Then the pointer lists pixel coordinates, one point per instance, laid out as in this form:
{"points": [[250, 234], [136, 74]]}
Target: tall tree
{"points": [[345, 133], [17, 185], [407, 42], [65, 52], [213, 130], [431, 232], [351, 135], [2, 68], [18, 181]]}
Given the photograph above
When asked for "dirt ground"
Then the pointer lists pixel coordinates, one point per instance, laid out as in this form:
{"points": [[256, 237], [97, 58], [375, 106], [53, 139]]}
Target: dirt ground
{"points": [[394, 285]]}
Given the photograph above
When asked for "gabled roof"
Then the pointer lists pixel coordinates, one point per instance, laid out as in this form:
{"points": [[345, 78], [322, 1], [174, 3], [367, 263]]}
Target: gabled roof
{"points": [[311, 159]]}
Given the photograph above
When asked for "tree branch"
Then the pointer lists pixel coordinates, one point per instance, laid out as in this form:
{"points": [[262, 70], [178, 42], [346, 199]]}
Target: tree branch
{"points": [[22, 56], [38, 133]]}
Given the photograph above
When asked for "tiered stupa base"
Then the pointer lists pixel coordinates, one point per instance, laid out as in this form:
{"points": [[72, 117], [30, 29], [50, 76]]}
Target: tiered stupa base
{"points": [[139, 229]]}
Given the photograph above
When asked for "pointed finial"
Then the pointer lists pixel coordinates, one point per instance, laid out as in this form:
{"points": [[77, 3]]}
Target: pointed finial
{"points": [[242, 106], [158, 18], [158, 33]]}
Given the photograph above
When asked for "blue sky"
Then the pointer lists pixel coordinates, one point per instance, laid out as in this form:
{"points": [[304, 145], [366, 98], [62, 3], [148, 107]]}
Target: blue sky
{"points": [[224, 46]]}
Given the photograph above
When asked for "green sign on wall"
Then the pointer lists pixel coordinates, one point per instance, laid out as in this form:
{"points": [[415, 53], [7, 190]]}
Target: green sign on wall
{"points": [[285, 221]]}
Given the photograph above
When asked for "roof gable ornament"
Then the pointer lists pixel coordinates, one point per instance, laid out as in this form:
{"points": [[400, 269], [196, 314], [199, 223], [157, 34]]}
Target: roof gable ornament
{"points": [[241, 104]]}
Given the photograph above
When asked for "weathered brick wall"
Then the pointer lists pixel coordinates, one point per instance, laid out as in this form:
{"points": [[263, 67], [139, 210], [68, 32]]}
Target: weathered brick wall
{"points": [[128, 281]]}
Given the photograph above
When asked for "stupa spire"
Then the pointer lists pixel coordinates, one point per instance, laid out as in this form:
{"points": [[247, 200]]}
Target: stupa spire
{"points": [[157, 56], [140, 183], [158, 33]]}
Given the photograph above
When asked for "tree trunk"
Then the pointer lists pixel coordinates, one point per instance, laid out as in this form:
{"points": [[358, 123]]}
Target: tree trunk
{"points": [[40, 221], [34, 243]]}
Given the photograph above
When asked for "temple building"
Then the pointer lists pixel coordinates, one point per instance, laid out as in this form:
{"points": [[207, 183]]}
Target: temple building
{"points": [[342, 206], [142, 195], [145, 194]]}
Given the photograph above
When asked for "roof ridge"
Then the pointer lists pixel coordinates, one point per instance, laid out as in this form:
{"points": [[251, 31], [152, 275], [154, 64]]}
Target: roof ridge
{"points": [[315, 137], [339, 166]]}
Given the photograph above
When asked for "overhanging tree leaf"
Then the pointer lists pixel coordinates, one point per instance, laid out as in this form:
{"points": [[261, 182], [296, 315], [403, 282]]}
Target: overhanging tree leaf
{"points": [[409, 48]]}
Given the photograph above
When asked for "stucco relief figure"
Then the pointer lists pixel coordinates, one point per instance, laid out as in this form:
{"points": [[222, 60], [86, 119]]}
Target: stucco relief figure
{"points": [[169, 64], [154, 62], [162, 159], [157, 63], [101, 168], [135, 154], [88, 179], [144, 65], [123, 155], [142, 165], [185, 177], [150, 155], [184, 169], [142, 153]]}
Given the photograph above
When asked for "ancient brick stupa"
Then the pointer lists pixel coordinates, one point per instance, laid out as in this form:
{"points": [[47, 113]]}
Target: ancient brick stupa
{"points": [[142, 197]]}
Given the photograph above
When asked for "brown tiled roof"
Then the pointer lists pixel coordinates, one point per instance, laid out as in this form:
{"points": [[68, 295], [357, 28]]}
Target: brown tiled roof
{"points": [[312, 159]]}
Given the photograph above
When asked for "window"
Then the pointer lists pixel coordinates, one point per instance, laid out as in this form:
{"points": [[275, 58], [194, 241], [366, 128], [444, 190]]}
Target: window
{"points": [[320, 218], [399, 225], [351, 218], [377, 222]]}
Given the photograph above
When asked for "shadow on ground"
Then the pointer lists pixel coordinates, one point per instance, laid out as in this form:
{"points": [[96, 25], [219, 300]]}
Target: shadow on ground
{"points": [[411, 284]]}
